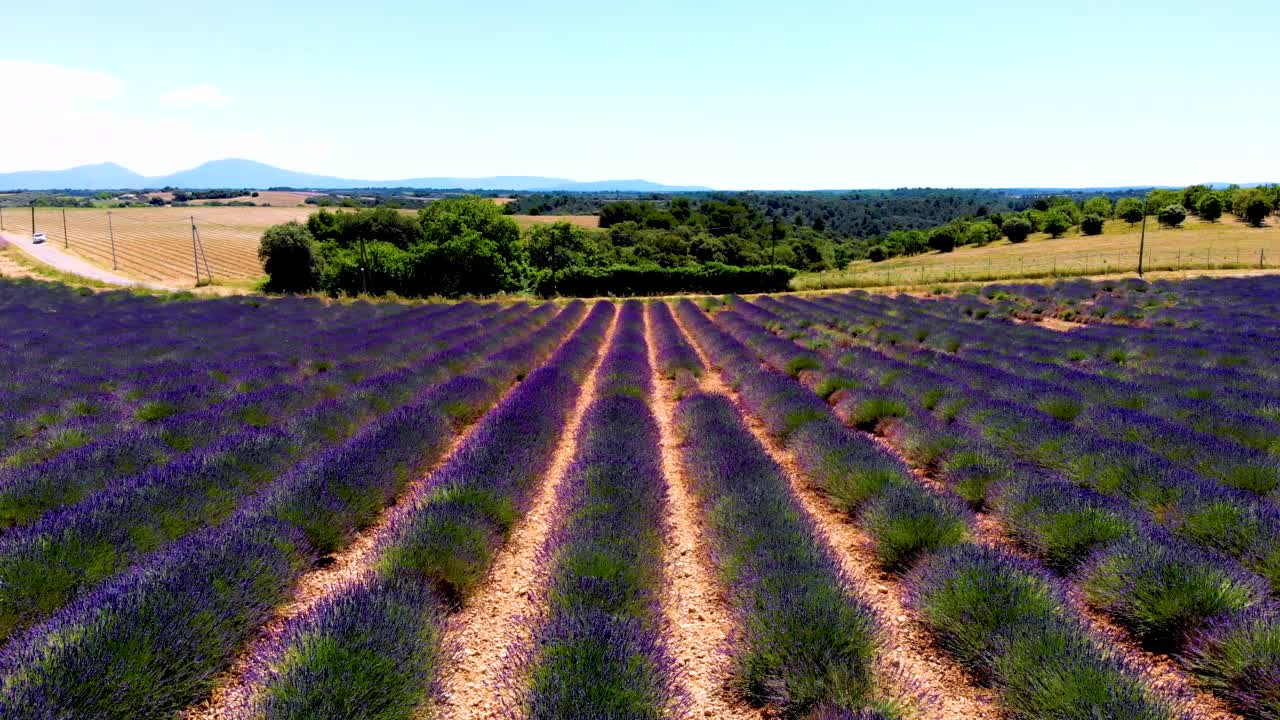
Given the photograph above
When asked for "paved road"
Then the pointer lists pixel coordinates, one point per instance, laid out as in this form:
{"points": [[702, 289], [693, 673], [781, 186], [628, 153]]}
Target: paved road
{"points": [[51, 255]]}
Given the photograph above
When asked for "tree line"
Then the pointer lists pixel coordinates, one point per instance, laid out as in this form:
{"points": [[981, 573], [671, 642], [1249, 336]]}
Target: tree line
{"points": [[1057, 215], [719, 243], [468, 247], [854, 214]]}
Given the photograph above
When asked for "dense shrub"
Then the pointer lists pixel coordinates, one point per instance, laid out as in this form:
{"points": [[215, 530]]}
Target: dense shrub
{"points": [[1056, 222], [943, 239], [287, 253], [1098, 205], [369, 651], [1016, 229], [981, 233], [1003, 618], [1210, 207], [1237, 657], [1162, 590], [454, 247], [1254, 209], [1130, 210], [1060, 522], [1172, 215], [908, 522], [1092, 224], [711, 278]]}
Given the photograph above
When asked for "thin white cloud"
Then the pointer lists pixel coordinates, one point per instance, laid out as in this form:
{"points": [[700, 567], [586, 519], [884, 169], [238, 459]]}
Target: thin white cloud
{"points": [[202, 95], [54, 85], [60, 105]]}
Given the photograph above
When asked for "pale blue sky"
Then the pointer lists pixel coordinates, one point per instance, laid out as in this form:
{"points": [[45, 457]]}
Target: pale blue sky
{"points": [[798, 94]]}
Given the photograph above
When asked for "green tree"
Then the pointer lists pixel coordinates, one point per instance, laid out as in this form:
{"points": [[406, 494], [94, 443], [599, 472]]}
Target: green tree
{"points": [[1254, 208], [681, 209], [1069, 208], [981, 233], [1016, 229], [1098, 205], [1130, 210], [1056, 222], [732, 217], [470, 247], [560, 245], [287, 253], [905, 242], [1163, 197], [348, 229], [1191, 196], [382, 224], [1092, 224], [943, 239], [666, 248], [1209, 207], [624, 211], [810, 250], [1229, 197], [1172, 215]]}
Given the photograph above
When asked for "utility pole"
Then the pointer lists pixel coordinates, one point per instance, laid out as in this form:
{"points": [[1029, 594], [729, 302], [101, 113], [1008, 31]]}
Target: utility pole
{"points": [[1, 217], [195, 255], [200, 242], [111, 231], [1142, 242], [66, 241], [33, 216]]}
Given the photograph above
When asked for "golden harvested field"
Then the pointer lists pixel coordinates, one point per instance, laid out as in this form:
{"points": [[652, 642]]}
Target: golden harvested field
{"points": [[1195, 246], [274, 198], [155, 243], [586, 221]]}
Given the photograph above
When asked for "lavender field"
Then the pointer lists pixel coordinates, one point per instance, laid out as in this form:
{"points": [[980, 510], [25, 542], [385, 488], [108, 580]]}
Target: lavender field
{"points": [[1015, 501]]}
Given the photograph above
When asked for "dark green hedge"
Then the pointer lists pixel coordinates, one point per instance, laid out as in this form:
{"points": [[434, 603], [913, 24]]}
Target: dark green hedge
{"points": [[623, 280]]}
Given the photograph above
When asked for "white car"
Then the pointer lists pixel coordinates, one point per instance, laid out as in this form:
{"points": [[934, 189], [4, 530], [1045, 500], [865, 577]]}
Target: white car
{"points": [[38, 238]]}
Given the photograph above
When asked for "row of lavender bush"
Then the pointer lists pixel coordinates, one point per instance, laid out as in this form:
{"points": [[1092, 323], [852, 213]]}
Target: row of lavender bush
{"points": [[1173, 596], [1211, 385], [600, 653], [1154, 415], [28, 492], [1198, 509], [44, 565], [373, 649], [955, 586], [68, 390], [802, 644], [805, 645], [153, 639]]}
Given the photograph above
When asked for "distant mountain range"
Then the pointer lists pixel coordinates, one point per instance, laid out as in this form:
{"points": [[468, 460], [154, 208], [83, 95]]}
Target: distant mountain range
{"points": [[238, 173]]}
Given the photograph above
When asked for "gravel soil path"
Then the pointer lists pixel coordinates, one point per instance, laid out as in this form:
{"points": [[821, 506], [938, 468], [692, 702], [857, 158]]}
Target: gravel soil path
{"points": [[911, 668], [491, 634]]}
